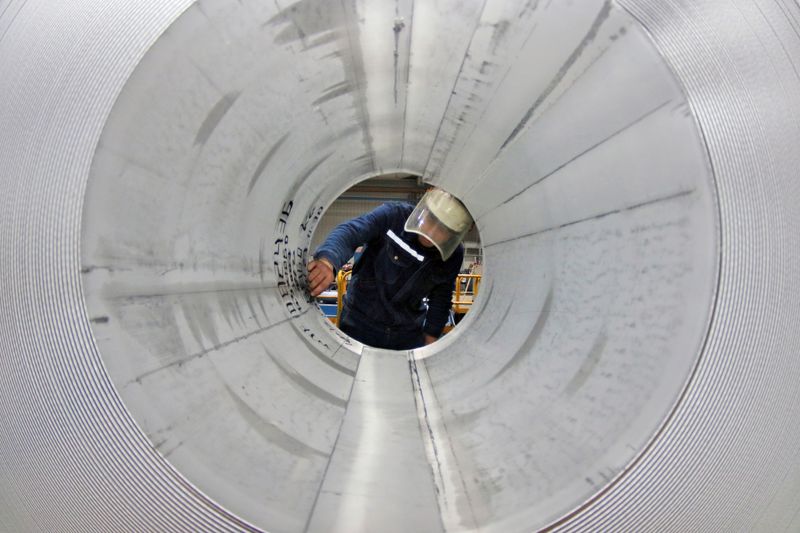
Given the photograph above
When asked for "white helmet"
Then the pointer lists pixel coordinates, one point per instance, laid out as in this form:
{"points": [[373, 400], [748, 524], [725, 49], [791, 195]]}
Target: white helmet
{"points": [[441, 218]]}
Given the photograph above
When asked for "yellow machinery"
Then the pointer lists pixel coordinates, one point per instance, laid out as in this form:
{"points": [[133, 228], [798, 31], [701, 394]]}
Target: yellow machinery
{"points": [[465, 292]]}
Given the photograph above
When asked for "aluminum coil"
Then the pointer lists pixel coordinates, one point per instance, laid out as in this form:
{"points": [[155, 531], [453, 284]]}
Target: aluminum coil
{"points": [[630, 363]]}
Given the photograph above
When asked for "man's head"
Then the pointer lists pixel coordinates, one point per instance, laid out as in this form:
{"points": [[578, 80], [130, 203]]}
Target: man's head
{"points": [[440, 220]]}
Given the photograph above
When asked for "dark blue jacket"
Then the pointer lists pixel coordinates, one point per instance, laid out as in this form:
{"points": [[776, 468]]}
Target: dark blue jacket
{"points": [[394, 273]]}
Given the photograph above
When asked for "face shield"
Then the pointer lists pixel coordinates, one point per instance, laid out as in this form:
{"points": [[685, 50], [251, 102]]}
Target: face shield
{"points": [[442, 219]]}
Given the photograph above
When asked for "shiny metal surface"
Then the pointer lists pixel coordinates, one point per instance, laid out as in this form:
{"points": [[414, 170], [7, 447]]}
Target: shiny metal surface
{"points": [[630, 364]]}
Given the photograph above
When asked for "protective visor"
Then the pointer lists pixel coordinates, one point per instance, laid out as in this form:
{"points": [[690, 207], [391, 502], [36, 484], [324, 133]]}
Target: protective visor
{"points": [[442, 219]]}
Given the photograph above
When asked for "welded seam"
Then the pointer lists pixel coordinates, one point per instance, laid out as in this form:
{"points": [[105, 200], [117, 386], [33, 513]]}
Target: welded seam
{"points": [[13, 17], [190, 292], [780, 41], [397, 29], [427, 433], [602, 16], [587, 150], [333, 451], [404, 125], [8, 5], [491, 97], [453, 454], [555, 101], [790, 15], [197, 355], [594, 217], [359, 102], [453, 90], [577, 78], [427, 427]]}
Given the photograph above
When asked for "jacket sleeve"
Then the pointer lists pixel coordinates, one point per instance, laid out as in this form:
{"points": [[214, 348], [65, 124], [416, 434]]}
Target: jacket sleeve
{"points": [[440, 301], [342, 242]]}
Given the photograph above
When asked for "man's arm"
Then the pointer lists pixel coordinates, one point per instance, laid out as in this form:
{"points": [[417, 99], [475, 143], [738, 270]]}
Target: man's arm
{"points": [[341, 243]]}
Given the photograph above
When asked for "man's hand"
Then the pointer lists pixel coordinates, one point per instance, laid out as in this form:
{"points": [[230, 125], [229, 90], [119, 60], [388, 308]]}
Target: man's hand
{"points": [[430, 339], [320, 276]]}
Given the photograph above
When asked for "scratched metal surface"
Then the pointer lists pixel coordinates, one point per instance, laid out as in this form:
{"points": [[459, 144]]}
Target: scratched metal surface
{"points": [[630, 364]]}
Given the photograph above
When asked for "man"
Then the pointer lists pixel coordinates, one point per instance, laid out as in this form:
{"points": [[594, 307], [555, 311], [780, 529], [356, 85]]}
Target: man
{"points": [[410, 253]]}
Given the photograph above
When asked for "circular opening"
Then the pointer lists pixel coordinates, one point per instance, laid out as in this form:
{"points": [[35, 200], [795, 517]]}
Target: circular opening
{"points": [[217, 161], [438, 294]]}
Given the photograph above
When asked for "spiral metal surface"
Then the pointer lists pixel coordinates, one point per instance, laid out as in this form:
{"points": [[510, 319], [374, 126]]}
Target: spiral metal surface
{"points": [[631, 362]]}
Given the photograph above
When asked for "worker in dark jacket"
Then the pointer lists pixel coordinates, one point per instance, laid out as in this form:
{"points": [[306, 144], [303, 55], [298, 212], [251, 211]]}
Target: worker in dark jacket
{"points": [[410, 253]]}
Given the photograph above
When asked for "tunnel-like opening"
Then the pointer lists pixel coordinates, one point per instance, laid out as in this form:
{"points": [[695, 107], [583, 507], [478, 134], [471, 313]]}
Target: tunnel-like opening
{"points": [[244, 121], [377, 193]]}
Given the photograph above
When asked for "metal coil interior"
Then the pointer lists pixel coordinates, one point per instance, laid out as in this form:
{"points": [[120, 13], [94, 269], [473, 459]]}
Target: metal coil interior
{"points": [[629, 365]]}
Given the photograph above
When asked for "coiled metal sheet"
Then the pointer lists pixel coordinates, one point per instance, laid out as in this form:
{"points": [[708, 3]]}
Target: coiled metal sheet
{"points": [[629, 366]]}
